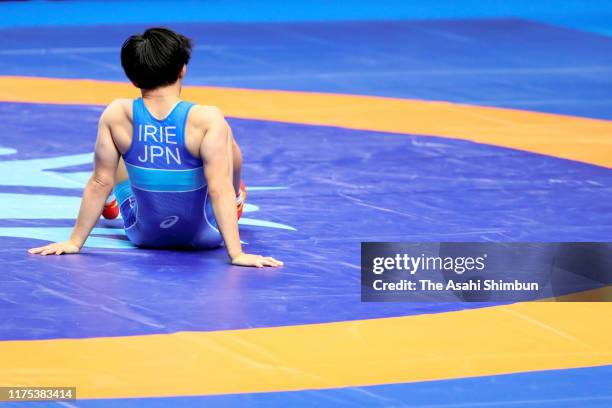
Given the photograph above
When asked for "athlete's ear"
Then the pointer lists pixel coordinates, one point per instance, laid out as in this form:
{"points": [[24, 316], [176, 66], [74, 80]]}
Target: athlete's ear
{"points": [[183, 72]]}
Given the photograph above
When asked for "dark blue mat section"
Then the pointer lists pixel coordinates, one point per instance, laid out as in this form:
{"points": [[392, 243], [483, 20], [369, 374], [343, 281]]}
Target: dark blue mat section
{"points": [[559, 389], [340, 187], [506, 62], [594, 15]]}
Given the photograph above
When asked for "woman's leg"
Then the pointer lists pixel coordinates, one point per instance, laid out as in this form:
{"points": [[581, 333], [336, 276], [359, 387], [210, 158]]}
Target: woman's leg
{"points": [[235, 161], [121, 174], [111, 207]]}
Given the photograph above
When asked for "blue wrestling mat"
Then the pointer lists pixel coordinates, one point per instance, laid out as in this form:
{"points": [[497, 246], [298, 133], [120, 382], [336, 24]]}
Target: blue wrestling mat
{"points": [[316, 191]]}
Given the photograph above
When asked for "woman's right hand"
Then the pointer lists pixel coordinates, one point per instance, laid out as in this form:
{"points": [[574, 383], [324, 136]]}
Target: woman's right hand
{"points": [[58, 248]]}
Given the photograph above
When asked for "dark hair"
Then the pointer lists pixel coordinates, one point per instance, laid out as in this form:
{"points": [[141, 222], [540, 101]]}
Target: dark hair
{"points": [[155, 58]]}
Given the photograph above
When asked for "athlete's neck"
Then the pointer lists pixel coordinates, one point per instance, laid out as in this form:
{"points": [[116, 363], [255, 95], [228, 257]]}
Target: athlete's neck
{"points": [[163, 93], [161, 100]]}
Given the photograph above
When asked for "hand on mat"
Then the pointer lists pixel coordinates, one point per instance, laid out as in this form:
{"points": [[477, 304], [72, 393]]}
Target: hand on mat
{"points": [[255, 260], [57, 248]]}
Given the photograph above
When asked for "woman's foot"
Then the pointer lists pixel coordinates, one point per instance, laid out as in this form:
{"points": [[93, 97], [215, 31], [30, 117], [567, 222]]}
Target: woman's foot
{"points": [[111, 208]]}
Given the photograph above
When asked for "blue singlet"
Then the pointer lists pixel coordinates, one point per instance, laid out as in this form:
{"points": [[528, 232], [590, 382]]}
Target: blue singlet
{"points": [[165, 201]]}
